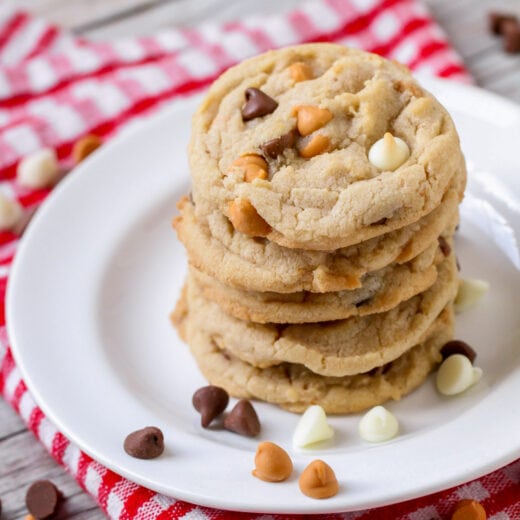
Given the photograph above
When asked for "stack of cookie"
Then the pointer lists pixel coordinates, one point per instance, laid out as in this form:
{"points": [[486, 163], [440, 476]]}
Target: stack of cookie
{"points": [[326, 185]]}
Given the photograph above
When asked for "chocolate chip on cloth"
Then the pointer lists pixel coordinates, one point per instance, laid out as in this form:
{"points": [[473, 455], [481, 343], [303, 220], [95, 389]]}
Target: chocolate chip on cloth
{"points": [[43, 499], [258, 104], [243, 419], [458, 347], [210, 401], [147, 443]]}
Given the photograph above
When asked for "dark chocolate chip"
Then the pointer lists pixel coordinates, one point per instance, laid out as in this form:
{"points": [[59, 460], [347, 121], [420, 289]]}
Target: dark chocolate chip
{"points": [[445, 247], [258, 104], [210, 402], [496, 21], [458, 347], [380, 222], [43, 499], [243, 419], [511, 33], [275, 147], [147, 443]]}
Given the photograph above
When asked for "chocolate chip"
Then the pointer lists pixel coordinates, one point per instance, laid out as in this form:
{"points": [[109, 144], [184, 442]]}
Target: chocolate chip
{"points": [[147, 443], [243, 419], [511, 33], [42, 499], [458, 347], [444, 246], [210, 402], [496, 21], [275, 147], [258, 104]]}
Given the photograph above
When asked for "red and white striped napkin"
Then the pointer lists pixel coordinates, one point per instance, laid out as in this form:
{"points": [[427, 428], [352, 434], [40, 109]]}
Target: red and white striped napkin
{"points": [[54, 88]]}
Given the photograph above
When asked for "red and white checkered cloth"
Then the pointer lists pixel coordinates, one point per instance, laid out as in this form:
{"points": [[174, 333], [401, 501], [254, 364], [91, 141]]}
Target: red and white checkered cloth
{"points": [[55, 88]]}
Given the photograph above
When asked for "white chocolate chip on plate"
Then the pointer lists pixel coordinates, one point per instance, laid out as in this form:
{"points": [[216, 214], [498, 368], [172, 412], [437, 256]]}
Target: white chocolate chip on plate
{"points": [[10, 213], [312, 428], [39, 169], [388, 153], [456, 374], [471, 291], [378, 425]]}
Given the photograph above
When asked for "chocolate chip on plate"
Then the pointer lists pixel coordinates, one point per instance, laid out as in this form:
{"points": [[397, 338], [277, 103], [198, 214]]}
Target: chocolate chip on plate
{"points": [[458, 347], [511, 34], [210, 401], [43, 499], [275, 147], [496, 21], [258, 104], [243, 419], [147, 443]]}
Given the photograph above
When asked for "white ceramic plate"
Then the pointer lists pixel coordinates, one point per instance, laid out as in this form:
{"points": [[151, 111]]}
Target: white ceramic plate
{"points": [[100, 269]]}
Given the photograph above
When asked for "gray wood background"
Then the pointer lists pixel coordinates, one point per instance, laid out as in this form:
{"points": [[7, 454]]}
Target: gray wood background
{"points": [[22, 459]]}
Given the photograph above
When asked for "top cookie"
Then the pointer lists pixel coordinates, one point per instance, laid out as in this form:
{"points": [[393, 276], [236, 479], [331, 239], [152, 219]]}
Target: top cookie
{"points": [[280, 145]]}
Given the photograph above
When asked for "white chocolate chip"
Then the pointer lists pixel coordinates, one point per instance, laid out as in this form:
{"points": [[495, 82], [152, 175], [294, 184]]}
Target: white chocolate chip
{"points": [[388, 153], [471, 291], [10, 213], [456, 374], [378, 425], [39, 169], [312, 427]]}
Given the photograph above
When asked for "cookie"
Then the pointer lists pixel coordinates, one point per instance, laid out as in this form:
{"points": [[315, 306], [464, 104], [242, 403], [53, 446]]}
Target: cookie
{"points": [[381, 291], [294, 387], [287, 159], [335, 348], [253, 264]]}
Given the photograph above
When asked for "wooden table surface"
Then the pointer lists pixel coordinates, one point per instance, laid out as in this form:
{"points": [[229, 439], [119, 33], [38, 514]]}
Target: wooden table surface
{"points": [[22, 459]]}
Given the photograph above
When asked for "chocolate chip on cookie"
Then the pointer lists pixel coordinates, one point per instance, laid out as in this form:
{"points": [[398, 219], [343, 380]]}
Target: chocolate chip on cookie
{"points": [[275, 147], [258, 104], [496, 21]]}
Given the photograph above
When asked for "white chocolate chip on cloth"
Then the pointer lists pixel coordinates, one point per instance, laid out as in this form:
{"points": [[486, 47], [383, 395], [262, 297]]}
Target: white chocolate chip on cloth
{"points": [[10, 213], [39, 169], [332, 196], [246, 263], [294, 387]]}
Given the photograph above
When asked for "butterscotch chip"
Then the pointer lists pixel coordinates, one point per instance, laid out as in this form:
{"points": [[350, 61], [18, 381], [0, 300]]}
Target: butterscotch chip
{"points": [[253, 165], [317, 145], [300, 72], [246, 219], [469, 510], [84, 146], [272, 463], [310, 118], [318, 480]]}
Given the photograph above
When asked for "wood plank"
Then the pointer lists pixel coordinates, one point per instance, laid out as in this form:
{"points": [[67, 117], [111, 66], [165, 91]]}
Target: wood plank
{"points": [[22, 461]]}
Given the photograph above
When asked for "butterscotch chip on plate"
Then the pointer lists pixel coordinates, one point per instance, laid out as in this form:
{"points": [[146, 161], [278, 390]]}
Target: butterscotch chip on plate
{"points": [[323, 192]]}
